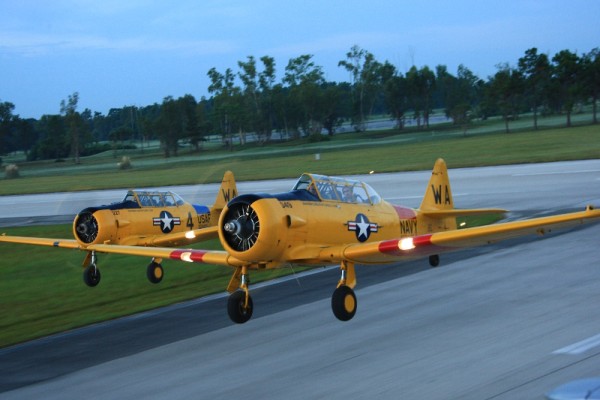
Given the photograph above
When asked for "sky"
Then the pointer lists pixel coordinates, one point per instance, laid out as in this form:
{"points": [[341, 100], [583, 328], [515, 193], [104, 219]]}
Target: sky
{"points": [[118, 53]]}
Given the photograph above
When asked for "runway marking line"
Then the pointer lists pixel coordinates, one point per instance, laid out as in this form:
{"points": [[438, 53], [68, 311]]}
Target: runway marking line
{"points": [[583, 171], [580, 347]]}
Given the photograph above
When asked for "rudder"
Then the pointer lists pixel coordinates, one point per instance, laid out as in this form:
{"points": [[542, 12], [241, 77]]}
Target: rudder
{"points": [[226, 192], [438, 195]]}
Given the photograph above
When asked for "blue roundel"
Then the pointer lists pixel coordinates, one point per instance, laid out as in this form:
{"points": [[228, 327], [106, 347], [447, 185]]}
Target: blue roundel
{"points": [[362, 227], [166, 221]]}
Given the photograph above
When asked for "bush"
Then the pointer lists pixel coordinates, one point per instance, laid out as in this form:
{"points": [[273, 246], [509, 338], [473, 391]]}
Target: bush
{"points": [[317, 137], [11, 171], [125, 163]]}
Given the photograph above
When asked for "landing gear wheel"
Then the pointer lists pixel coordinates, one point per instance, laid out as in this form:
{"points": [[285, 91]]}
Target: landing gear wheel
{"points": [[343, 303], [434, 260], [154, 272], [91, 275], [235, 307]]}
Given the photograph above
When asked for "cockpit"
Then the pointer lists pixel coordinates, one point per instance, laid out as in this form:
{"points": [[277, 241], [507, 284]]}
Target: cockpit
{"points": [[138, 198], [330, 188]]}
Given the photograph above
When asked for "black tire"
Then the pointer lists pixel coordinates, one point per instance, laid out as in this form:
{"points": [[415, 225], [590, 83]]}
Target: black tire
{"points": [[434, 260], [343, 303], [91, 275], [235, 307], [154, 272]]}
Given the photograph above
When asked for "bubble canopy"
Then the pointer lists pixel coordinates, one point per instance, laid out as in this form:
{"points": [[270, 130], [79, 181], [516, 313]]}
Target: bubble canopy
{"points": [[331, 188]]}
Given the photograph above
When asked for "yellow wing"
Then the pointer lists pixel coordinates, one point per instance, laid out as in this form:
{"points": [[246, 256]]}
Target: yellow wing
{"points": [[64, 243], [217, 257], [385, 251], [177, 238], [180, 238], [423, 245]]}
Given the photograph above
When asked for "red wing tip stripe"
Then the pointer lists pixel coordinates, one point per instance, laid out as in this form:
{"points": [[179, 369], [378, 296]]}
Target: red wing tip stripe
{"points": [[395, 246], [187, 255], [422, 240]]}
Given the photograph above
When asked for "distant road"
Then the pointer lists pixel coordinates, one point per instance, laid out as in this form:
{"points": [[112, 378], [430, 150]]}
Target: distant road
{"points": [[406, 188]]}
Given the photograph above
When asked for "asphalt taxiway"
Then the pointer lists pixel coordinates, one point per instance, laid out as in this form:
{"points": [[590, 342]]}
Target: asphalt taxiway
{"points": [[507, 321]]}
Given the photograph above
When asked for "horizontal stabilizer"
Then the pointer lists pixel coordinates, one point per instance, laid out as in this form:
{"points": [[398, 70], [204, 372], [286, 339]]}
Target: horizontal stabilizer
{"points": [[461, 213]]}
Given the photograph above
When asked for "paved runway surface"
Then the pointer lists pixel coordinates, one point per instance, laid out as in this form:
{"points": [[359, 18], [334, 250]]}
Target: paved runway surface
{"points": [[509, 321]]}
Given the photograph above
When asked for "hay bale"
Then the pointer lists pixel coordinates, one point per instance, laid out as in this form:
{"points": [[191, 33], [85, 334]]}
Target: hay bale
{"points": [[125, 163], [11, 171]]}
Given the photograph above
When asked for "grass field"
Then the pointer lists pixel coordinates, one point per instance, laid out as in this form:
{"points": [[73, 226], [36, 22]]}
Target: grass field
{"points": [[41, 289], [350, 154]]}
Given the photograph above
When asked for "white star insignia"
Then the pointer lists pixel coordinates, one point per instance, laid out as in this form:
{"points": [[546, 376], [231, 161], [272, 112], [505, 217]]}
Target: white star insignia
{"points": [[167, 222], [362, 227]]}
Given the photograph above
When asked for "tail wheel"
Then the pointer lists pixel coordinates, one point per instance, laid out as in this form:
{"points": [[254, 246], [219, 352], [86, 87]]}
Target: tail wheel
{"points": [[154, 272], [91, 275], [434, 260], [235, 307], [343, 303]]}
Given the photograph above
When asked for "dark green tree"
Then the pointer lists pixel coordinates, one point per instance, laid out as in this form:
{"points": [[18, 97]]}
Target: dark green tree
{"points": [[365, 71], [420, 86], [303, 108], [257, 93], [74, 123], [55, 142], [567, 75], [536, 71], [591, 79], [7, 126], [461, 94], [228, 102], [505, 88], [170, 126]]}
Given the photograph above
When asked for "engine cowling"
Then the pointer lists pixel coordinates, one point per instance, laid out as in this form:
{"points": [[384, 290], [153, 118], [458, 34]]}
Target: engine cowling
{"points": [[252, 228], [91, 227]]}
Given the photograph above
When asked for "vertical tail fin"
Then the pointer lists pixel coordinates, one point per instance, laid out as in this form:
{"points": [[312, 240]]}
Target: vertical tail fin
{"points": [[226, 192], [438, 195]]}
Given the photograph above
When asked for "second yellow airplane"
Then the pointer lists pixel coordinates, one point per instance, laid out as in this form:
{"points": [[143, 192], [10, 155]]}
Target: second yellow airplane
{"points": [[142, 218]]}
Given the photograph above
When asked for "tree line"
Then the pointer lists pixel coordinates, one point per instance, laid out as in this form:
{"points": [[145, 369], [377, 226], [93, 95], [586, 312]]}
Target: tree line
{"points": [[303, 103]]}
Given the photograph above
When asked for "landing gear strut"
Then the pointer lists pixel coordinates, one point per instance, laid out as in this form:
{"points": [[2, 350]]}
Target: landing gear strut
{"points": [[91, 274], [239, 304], [343, 300]]}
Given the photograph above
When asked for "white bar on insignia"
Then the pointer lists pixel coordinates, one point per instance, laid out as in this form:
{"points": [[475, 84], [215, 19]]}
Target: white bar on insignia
{"points": [[580, 347]]}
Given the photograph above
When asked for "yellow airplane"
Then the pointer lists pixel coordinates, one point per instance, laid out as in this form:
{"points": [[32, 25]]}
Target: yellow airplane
{"points": [[143, 218], [330, 220]]}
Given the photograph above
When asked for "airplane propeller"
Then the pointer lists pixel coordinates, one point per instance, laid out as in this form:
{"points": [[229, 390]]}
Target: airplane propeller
{"points": [[86, 227], [241, 227]]}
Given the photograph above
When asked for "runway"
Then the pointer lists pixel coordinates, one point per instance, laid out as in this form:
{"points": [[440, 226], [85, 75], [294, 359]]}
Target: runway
{"points": [[508, 321]]}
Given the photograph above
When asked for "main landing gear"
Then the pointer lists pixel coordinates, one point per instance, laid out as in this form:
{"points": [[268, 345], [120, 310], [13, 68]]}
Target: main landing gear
{"points": [[154, 271], [343, 300], [239, 304], [91, 273]]}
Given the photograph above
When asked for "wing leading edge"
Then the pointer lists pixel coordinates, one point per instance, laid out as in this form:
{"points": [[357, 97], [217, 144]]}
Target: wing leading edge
{"points": [[388, 250], [424, 245], [64, 243]]}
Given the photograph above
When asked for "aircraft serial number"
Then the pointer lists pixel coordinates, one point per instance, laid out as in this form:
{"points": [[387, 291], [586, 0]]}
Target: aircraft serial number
{"points": [[203, 219]]}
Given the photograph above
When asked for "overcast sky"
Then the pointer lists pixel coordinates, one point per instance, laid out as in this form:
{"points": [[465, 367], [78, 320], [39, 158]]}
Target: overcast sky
{"points": [[118, 53]]}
